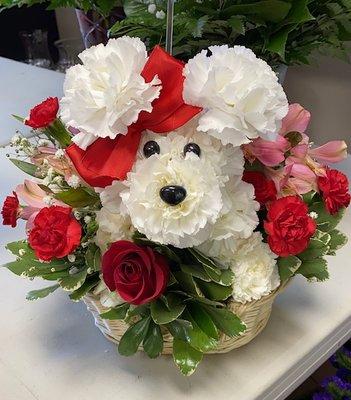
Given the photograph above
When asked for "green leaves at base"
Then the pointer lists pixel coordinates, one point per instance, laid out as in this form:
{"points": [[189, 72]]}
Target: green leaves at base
{"points": [[226, 321], [118, 312], [133, 337], [186, 357], [41, 293], [287, 267], [165, 311], [316, 248], [153, 341], [314, 269]]}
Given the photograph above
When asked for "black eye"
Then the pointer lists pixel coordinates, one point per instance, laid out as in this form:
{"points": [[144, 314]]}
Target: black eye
{"points": [[151, 148], [193, 147]]}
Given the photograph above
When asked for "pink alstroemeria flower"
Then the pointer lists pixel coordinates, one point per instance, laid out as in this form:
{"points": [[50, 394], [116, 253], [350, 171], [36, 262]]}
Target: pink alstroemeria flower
{"points": [[62, 165], [272, 153], [33, 196]]}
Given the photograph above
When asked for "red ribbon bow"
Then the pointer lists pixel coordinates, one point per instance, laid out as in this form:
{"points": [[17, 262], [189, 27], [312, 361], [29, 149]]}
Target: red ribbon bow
{"points": [[106, 159]]}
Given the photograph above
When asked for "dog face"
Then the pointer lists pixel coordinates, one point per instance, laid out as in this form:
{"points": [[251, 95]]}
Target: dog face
{"points": [[185, 189]]}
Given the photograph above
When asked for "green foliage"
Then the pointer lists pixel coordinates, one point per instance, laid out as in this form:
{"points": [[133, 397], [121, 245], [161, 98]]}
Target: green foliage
{"points": [[153, 341], [166, 310], [86, 287], [279, 31], [41, 293], [287, 267], [26, 167], [93, 258], [102, 7], [77, 198], [118, 312], [186, 357], [133, 337]]}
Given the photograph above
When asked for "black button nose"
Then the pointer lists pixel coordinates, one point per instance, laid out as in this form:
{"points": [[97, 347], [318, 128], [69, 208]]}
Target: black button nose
{"points": [[172, 194]]}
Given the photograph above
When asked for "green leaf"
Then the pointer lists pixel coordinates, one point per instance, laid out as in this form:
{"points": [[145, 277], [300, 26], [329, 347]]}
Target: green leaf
{"points": [[15, 247], [226, 321], [77, 198], [337, 240], [118, 312], [133, 337], [93, 258], [322, 236], [196, 271], [179, 329], [205, 261], [20, 119], [277, 42], [226, 277], [325, 221], [267, 10], [308, 198], [203, 320], [215, 291], [26, 167], [314, 269], [198, 338], [41, 293], [287, 267], [236, 24], [160, 312], [187, 283], [74, 281], [153, 342], [186, 357], [316, 248], [87, 286]]}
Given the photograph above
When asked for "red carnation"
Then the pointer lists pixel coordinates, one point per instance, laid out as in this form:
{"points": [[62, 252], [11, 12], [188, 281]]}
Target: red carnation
{"points": [[10, 210], [288, 225], [335, 190], [138, 274], [265, 190], [43, 114], [55, 233]]}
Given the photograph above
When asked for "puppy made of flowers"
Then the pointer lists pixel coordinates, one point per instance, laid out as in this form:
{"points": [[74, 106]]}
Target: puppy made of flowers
{"points": [[185, 187], [172, 184]]}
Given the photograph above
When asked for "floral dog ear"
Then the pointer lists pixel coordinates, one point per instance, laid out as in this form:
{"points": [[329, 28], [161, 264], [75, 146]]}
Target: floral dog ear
{"points": [[167, 112], [239, 92]]}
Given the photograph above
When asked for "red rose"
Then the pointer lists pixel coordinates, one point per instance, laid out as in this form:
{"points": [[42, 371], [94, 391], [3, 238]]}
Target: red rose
{"points": [[55, 233], [265, 190], [138, 274], [335, 190], [43, 114], [288, 225], [10, 210]]}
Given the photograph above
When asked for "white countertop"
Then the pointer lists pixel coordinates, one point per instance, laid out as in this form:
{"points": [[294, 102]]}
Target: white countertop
{"points": [[22, 86], [50, 349]]}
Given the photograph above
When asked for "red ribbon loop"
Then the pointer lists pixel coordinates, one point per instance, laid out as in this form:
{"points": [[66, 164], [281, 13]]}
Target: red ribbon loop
{"points": [[107, 159]]}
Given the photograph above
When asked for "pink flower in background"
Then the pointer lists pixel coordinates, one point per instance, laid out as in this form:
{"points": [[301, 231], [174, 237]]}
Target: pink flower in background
{"points": [[300, 165], [62, 165], [296, 120], [34, 197]]}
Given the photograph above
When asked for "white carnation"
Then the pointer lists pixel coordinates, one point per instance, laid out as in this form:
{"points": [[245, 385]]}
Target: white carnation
{"points": [[255, 270], [239, 93], [112, 227], [105, 95]]}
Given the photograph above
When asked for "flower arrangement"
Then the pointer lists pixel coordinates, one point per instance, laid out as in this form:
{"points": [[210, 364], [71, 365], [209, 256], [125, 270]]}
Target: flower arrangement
{"points": [[172, 196]]}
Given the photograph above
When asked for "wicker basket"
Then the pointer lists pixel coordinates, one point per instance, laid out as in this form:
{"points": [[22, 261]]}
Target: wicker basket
{"points": [[255, 314]]}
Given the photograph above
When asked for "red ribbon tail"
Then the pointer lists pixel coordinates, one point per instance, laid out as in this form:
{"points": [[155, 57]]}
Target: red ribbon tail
{"points": [[106, 160]]}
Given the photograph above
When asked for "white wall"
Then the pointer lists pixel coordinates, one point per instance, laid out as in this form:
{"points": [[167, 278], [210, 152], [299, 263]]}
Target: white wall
{"points": [[325, 90]]}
